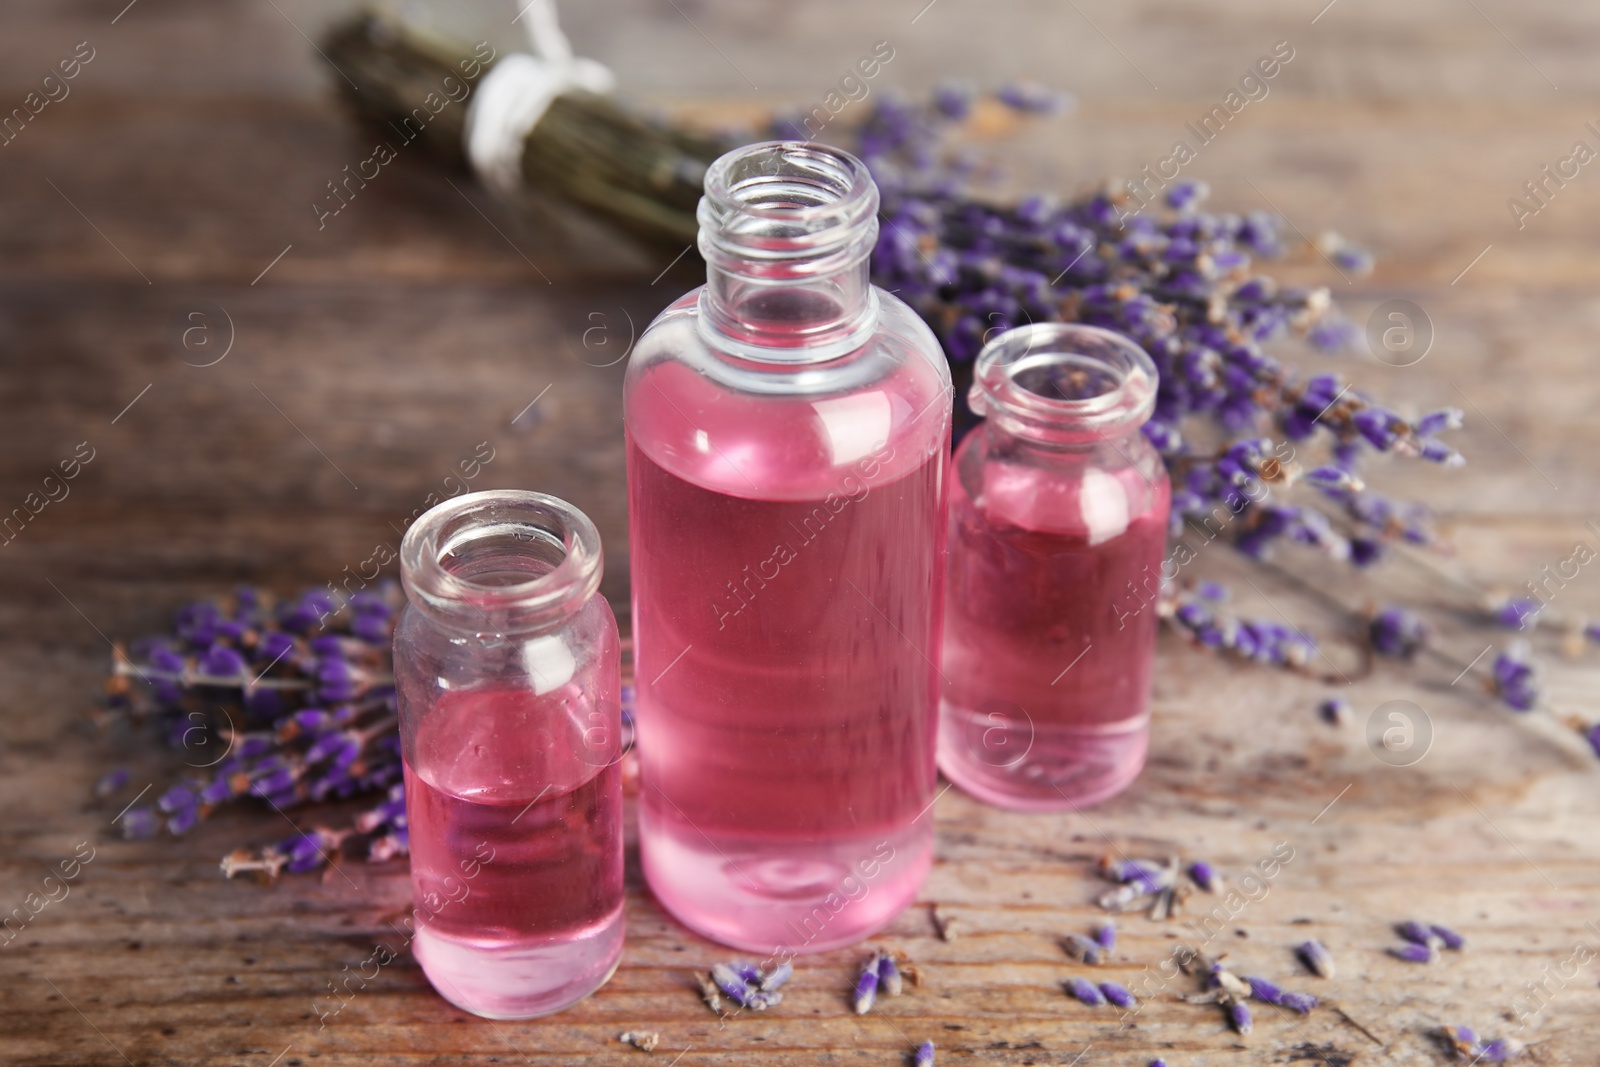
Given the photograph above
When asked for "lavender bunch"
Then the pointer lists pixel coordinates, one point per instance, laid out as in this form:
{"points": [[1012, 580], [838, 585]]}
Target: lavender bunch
{"points": [[290, 703]]}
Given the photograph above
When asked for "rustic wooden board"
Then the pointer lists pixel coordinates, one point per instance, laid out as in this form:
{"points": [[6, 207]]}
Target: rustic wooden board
{"points": [[378, 352]]}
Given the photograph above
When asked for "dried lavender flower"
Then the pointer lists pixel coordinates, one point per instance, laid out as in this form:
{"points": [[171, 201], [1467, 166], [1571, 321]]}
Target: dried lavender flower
{"points": [[710, 994], [924, 1057], [111, 782], [140, 823], [1449, 937], [1081, 948], [1416, 932], [1316, 958], [889, 976], [1300, 1002], [733, 985], [1335, 711], [1086, 991], [1106, 934], [1500, 1049], [644, 1041], [1239, 1016], [776, 977], [1117, 995], [867, 987], [1413, 953], [1514, 678], [1264, 990], [1204, 875]]}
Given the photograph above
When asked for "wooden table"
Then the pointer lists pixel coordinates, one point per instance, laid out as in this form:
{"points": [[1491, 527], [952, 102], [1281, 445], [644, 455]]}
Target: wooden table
{"points": [[369, 357]]}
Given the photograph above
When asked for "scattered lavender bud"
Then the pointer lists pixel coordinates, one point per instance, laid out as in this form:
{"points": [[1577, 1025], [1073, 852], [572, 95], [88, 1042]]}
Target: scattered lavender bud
{"points": [[1157, 1063], [1081, 948], [924, 1057], [140, 823], [1106, 934], [1519, 613], [889, 976], [1231, 984], [1413, 953], [644, 1041], [1514, 678], [1204, 875], [1451, 939], [748, 971], [732, 985], [1300, 1002], [1239, 1016], [1085, 991], [1500, 1049], [867, 987], [1264, 990], [1316, 958], [776, 977], [111, 782], [1335, 711], [1117, 995], [1415, 932]]}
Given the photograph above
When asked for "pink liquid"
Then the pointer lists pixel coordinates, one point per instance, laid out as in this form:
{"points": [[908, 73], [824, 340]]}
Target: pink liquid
{"points": [[784, 639], [516, 850], [1050, 635]]}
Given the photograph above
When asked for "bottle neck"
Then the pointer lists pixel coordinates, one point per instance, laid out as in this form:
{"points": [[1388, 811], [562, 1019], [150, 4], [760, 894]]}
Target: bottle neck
{"points": [[1063, 387], [501, 563], [787, 231]]}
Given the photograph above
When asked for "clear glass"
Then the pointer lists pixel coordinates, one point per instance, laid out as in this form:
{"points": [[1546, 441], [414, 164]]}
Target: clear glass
{"points": [[508, 670], [788, 441], [1058, 524]]}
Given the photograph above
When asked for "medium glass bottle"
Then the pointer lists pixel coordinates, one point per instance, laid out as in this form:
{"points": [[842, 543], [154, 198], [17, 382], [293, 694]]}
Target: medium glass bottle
{"points": [[788, 439], [1058, 524], [508, 673]]}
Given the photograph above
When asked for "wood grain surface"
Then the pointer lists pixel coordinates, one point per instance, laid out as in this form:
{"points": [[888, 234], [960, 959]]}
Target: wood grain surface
{"points": [[371, 355]]}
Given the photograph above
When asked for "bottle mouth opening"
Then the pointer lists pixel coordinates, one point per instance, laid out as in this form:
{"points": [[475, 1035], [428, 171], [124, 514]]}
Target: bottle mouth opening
{"points": [[501, 556], [1064, 382], [781, 199]]}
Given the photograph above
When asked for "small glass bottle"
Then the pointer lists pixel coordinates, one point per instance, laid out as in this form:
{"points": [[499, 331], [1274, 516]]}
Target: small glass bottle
{"points": [[788, 441], [508, 674], [1058, 525]]}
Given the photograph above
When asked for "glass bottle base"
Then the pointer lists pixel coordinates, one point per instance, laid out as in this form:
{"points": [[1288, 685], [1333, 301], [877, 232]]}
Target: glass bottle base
{"points": [[766, 897], [1060, 768], [523, 978]]}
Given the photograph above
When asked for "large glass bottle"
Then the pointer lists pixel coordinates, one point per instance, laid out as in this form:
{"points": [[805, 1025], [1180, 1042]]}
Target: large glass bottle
{"points": [[508, 672], [788, 440], [1058, 523]]}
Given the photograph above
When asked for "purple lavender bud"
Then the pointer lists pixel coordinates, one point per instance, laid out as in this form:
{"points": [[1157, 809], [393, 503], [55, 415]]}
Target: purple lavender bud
{"points": [[220, 661], [1414, 932], [1514, 679], [1300, 1002], [1264, 990], [1413, 953], [1436, 451], [867, 987], [140, 823], [924, 1056], [1519, 613], [1335, 711], [1365, 551], [953, 100], [111, 782], [274, 784], [1106, 934], [1187, 194], [1398, 632], [1081, 948], [748, 971], [1085, 991], [1239, 1016], [1353, 260], [732, 985], [889, 976], [219, 790], [274, 647], [176, 798], [1117, 995], [775, 978], [1316, 958], [1464, 1034], [1157, 1063], [1204, 875], [183, 820], [1500, 1049], [1452, 940], [1032, 98]]}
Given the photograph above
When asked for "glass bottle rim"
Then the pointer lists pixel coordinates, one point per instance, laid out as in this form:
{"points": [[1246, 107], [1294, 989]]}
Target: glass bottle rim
{"points": [[514, 530], [788, 200], [1103, 384]]}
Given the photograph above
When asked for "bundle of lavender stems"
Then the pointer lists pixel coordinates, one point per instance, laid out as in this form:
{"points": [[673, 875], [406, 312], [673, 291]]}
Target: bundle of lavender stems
{"points": [[1261, 456]]}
